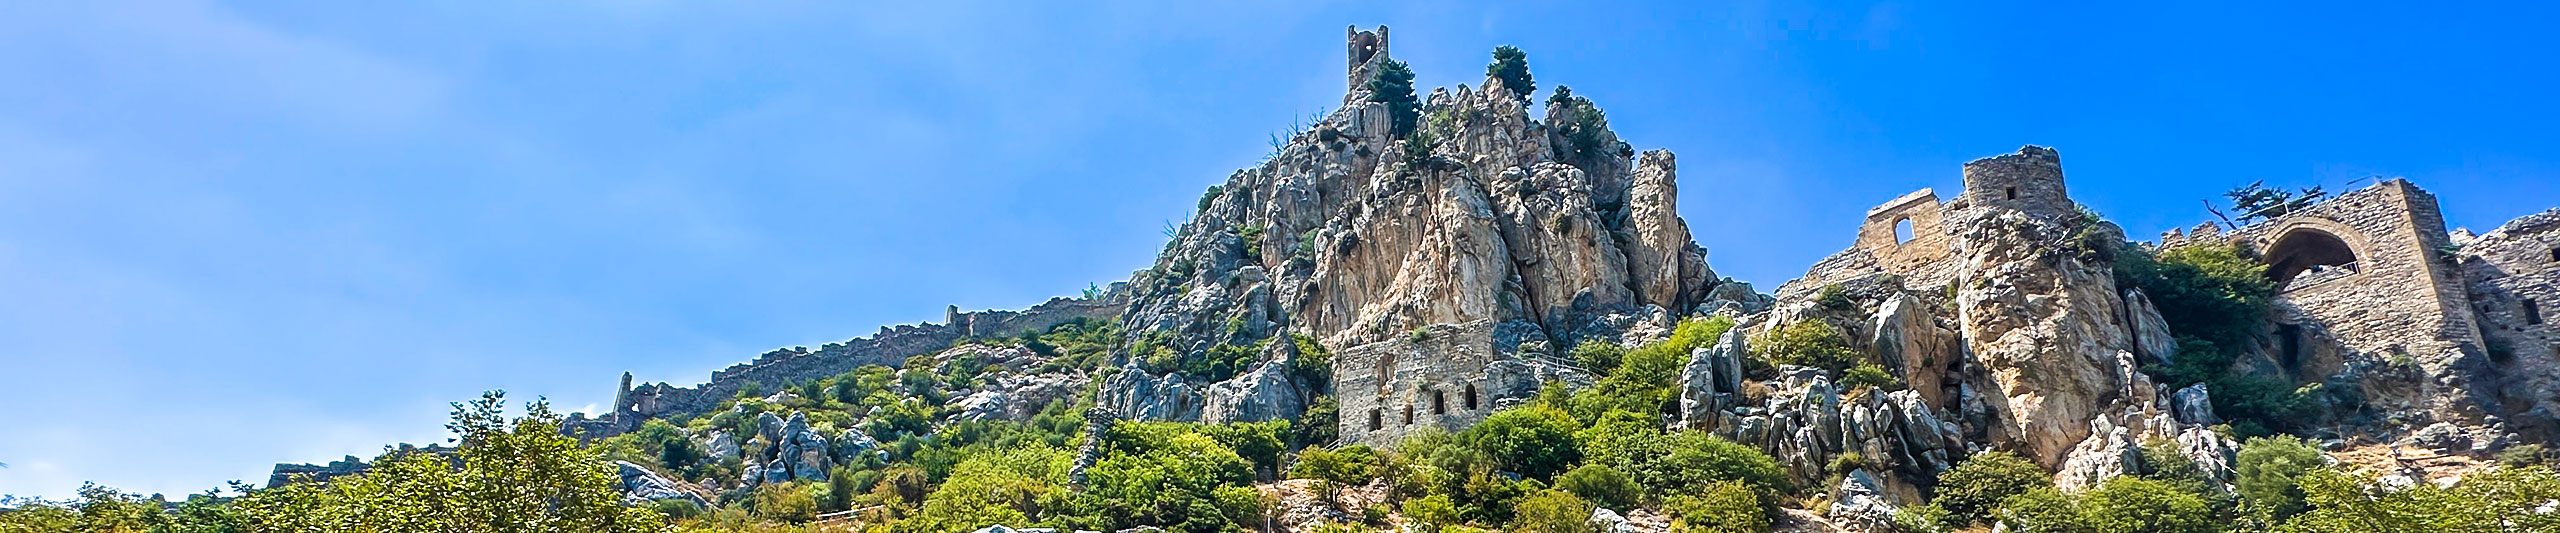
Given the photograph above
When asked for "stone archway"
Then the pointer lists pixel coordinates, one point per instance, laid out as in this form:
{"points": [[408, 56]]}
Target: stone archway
{"points": [[2305, 248]]}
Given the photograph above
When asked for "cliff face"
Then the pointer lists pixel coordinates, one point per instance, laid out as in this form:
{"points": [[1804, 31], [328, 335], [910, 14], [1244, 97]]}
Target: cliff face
{"points": [[1352, 236]]}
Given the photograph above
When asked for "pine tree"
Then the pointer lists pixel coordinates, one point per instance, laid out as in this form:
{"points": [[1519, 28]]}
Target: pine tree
{"points": [[1512, 67], [1394, 86]]}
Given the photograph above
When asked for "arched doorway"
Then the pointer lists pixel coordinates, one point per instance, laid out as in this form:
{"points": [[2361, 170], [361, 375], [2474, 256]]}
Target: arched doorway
{"points": [[2307, 249]]}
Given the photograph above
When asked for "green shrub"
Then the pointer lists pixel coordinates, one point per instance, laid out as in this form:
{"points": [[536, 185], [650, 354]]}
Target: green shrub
{"points": [[1600, 357], [1512, 67], [1835, 297], [1211, 196], [1868, 375], [2136, 505], [1719, 507], [1973, 490], [1552, 511], [2039, 510], [1535, 441], [2521, 455], [2492, 499], [2214, 292], [1807, 343], [1690, 460], [1430, 513], [2268, 473], [1349, 465], [1602, 485]]}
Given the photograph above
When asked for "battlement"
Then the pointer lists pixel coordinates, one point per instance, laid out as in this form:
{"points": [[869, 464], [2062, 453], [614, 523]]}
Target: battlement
{"points": [[2029, 180]]}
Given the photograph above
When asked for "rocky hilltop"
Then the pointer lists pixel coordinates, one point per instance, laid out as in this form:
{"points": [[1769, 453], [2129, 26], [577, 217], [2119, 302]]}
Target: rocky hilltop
{"points": [[1413, 264]]}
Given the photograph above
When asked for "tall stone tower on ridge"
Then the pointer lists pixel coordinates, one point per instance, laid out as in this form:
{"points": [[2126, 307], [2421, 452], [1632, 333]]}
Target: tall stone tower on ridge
{"points": [[1368, 52]]}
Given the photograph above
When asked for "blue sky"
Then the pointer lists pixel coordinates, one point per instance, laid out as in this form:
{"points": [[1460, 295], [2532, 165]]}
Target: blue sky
{"points": [[238, 234]]}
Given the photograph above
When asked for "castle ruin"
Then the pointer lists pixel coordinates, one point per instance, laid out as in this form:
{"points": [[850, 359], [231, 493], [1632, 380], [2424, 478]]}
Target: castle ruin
{"points": [[2373, 291]]}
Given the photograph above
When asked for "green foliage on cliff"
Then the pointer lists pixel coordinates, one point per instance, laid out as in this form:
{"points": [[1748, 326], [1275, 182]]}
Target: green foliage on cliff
{"points": [[1806, 343], [1512, 67], [1393, 86]]}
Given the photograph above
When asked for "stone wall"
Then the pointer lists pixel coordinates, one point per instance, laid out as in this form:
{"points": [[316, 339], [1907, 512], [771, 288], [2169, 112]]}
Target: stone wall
{"points": [[1447, 376], [2029, 180], [2395, 297], [890, 347], [2514, 277]]}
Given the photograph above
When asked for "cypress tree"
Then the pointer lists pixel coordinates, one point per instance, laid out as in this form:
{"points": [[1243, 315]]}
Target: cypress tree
{"points": [[1394, 87], [1512, 67]]}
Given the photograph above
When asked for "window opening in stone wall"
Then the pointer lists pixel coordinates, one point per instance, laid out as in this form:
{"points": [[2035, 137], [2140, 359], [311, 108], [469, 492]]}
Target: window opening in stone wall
{"points": [[1377, 419], [2555, 254], [1471, 396], [2532, 312], [1439, 402], [1902, 231], [1408, 415], [2305, 250], [2291, 335], [2013, 193]]}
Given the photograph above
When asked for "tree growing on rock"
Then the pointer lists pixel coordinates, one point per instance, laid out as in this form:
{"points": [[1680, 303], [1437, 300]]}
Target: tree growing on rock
{"points": [[1394, 86], [1512, 67]]}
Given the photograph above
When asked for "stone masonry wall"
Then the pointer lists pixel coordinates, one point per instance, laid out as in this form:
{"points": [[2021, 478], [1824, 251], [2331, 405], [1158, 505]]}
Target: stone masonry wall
{"points": [[2399, 297], [890, 347], [1446, 376], [2514, 277]]}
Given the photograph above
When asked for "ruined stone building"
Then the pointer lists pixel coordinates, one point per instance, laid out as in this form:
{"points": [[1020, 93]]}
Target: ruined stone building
{"points": [[2371, 287], [2373, 291]]}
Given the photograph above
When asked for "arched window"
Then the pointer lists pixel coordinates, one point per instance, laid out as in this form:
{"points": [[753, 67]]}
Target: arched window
{"points": [[1439, 402], [1471, 396], [1377, 419], [2302, 249], [1902, 230], [1408, 415]]}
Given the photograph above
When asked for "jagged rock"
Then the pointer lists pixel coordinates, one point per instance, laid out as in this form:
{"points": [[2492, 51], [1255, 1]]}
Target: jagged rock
{"points": [[1712, 377], [1267, 392], [996, 529], [1861, 504], [2109, 451], [2193, 405], [721, 445], [803, 450], [752, 476], [1139, 396], [1608, 521], [1913, 346], [2151, 338], [853, 444], [2043, 326], [2440, 436], [2215, 455], [641, 486], [1015, 397], [769, 427]]}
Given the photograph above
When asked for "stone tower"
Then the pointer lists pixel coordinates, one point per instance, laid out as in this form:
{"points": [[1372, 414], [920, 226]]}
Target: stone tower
{"points": [[2029, 180], [1368, 52]]}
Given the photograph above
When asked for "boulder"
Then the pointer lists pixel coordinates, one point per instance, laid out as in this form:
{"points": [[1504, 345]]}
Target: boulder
{"points": [[2151, 338], [640, 485], [721, 445], [1913, 346], [1861, 504], [2193, 405], [853, 444], [1712, 377], [1139, 396], [2043, 326], [1266, 392], [1608, 521]]}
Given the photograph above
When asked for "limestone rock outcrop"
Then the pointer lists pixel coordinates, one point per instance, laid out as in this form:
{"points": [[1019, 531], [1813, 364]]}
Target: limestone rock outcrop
{"points": [[640, 486], [1353, 236]]}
